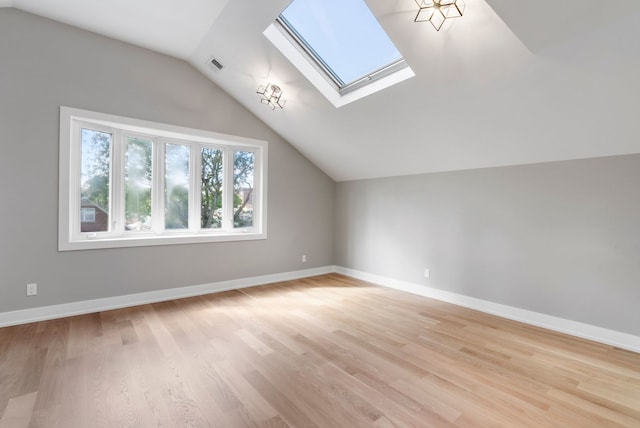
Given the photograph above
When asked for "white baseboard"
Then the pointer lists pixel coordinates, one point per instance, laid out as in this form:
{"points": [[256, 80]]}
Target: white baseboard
{"points": [[574, 328], [89, 306]]}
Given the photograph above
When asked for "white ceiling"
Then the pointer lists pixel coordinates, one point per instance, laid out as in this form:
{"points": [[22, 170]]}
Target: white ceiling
{"points": [[511, 82], [172, 27]]}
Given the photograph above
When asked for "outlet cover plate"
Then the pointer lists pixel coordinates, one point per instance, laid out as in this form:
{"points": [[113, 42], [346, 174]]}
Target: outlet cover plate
{"points": [[32, 289]]}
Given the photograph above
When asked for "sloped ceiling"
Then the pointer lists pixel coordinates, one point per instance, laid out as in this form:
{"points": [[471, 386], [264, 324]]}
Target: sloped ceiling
{"points": [[172, 27], [511, 82]]}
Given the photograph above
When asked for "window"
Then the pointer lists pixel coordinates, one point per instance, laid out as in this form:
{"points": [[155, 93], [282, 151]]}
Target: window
{"points": [[339, 46], [88, 215], [126, 182]]}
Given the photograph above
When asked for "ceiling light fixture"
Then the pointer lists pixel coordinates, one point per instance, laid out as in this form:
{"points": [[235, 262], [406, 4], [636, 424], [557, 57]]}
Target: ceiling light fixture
{"points": [[437, 11], [271, 95]]}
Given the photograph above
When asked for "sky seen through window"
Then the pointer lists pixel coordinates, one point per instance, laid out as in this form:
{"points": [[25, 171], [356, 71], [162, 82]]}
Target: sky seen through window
{"points": [[344, 34]]}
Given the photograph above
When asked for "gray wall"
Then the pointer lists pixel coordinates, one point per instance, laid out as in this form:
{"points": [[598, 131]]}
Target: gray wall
{"points": [[558, 238], [44, 64]]}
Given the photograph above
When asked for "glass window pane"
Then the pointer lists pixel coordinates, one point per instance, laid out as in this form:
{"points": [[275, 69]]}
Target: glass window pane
{"points": [[87, 215], [343, 35], [95, 180], [211, 180], [243, 168], [137, 184], [176, 215]]}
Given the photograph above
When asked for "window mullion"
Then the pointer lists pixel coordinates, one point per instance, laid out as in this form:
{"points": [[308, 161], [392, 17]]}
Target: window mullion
{"points": [[75, 171], [117, 183]]}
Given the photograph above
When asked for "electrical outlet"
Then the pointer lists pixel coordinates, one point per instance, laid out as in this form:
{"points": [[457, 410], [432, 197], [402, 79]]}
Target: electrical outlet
{"points": [[427, 273], [304, 258], [32, 289]]}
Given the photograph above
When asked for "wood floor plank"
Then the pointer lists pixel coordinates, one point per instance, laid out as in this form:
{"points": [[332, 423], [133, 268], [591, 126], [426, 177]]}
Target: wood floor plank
{"points": [[288, 410], [19, 411], [328, 351]]}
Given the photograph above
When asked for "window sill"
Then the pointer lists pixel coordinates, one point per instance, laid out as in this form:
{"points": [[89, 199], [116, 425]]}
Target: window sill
{"points": [[138, 241]]}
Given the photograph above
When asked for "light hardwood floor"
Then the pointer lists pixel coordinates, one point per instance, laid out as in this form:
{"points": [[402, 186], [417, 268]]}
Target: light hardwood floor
{"points": [[327, 351]]}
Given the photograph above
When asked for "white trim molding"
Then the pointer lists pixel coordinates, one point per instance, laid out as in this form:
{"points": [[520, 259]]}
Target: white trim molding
{"points": [[573, 328], [90, 306]]}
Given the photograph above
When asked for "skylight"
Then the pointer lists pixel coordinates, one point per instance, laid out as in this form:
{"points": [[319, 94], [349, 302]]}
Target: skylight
{"points": [[343, 42], [343, 36]]}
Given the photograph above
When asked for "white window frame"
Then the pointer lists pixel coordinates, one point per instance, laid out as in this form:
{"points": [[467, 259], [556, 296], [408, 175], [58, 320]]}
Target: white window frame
{"points": [[71, 238]]}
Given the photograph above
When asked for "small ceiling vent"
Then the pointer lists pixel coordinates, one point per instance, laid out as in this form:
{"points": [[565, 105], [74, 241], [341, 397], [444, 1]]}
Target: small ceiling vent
{"points": [[215, 64]]}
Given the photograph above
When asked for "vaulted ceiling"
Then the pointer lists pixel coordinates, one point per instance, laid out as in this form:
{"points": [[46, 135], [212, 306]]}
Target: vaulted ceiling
{"points": [[511, 82]]}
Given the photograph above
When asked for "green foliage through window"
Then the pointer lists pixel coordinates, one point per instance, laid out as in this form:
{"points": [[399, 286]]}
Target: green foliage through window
{"points": [[138, 174], [243, 169], [211, 180], [95, 178], [176, 186]]}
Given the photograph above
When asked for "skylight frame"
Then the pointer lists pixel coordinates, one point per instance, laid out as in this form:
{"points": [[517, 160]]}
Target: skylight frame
{"points": [[341, 86], [291, 44], [315, 56]]}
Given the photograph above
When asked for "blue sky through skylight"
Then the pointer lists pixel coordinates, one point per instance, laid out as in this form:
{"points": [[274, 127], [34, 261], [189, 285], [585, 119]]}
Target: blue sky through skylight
{"points": [[344, 34]]}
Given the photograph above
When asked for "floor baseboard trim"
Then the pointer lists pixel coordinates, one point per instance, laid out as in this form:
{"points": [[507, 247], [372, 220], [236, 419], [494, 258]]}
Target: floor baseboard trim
{"points": [[44, 313], [562, 325]]}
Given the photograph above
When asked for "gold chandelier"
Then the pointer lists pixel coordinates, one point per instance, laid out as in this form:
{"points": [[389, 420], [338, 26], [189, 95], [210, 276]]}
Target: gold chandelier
{"points": [[271, 95], [438, 11]]}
